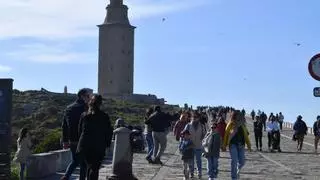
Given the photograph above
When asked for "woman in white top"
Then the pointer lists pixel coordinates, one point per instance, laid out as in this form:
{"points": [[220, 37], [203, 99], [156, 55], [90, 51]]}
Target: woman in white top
{"points": [[23, 152], [273, 134]]}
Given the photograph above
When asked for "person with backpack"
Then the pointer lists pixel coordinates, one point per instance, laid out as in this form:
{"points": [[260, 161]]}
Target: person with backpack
{"points": [[316, 133], [258, 126], [197, 131], [300, 129], [186, 150], [236, 136], [211, 145], [23, 151]]}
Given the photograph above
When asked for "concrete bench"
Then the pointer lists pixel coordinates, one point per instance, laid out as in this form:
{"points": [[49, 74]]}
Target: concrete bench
{"points": [[41, 165], [47, 164]]}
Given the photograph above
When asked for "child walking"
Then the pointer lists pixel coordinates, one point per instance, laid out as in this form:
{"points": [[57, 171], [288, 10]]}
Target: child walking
{"points": [[23, 150], [186, 149], [211, 144]]}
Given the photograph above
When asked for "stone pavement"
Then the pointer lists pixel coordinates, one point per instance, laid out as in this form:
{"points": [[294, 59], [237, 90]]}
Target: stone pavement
{"points": [[287, 165]]}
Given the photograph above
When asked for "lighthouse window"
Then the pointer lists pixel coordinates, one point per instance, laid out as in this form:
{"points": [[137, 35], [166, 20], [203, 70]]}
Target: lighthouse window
{"points": [[110, 81], [123, 51]]}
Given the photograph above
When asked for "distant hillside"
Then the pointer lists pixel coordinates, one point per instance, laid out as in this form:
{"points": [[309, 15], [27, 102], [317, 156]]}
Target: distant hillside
{"points": [[42, 112]]}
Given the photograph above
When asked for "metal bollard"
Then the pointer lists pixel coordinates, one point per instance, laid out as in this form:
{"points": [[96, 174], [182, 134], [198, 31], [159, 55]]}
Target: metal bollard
{"points": [[122, 156]]}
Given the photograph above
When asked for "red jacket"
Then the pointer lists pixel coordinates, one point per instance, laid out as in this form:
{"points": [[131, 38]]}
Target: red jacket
{"points": [[178, 128], [221, 128]]}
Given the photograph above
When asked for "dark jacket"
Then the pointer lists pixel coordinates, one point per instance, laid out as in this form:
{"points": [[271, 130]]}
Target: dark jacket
{"points": [[316, 129], [214, 150], [186, 149], [159, 121], [258, 126], [95, 133], [300, 127], [71, 120]]}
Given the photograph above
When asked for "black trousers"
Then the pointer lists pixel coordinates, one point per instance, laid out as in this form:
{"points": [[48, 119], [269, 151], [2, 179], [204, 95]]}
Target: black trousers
{"points": [[93, 165], [280, 123], [258, 138], [274, 140]]}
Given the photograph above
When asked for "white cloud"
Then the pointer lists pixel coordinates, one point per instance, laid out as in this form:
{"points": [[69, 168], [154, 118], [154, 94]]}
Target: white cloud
{"points": [[4, 68], [51, 54], [73, 18]]}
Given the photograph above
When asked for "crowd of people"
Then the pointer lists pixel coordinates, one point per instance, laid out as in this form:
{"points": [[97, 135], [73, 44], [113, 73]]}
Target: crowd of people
{"points": [[203, 132]]}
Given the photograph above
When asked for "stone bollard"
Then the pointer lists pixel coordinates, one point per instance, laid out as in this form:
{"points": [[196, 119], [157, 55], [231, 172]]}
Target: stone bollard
{"points": [[122, 156]]}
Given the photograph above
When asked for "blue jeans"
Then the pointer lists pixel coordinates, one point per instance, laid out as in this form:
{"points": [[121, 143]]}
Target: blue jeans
{"points": [[237, 159], [197, 154], [76, 160], [149, 140], [212, 167], [22, 167]]}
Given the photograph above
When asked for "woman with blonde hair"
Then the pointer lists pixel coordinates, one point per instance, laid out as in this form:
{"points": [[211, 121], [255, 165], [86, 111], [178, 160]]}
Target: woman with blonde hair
{"points": [[236, 136]]}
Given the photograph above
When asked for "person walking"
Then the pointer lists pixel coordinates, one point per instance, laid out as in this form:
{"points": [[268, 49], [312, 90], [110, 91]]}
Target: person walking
{"points": [[186, 150], [236, 136], [70, 132], [273, 134], [258, 128], [148, 135], [316, 133], [95, 137], [264, 120], [180, 125], [281, 119], [212, 145], [253, 115], [159, 123], [300, 129], [23, 150], [197, 131], [221, 128]]}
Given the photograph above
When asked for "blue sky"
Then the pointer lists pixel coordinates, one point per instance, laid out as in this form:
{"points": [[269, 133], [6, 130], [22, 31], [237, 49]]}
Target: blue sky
{"points": [[206, 52]]}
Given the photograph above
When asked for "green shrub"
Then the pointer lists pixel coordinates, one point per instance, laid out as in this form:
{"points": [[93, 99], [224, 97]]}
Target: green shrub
{"points": [[51, 142]]}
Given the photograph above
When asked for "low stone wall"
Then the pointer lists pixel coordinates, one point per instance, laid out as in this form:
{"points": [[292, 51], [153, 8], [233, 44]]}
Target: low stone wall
{"points": [[47, 164], [41, 165]]}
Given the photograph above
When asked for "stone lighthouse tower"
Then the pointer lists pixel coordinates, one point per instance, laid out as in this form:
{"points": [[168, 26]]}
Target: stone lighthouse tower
{"points": [[116, 51]]}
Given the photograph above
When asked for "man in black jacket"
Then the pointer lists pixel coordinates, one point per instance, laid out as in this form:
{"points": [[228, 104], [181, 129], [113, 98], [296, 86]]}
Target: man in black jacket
{"points": [[95, 136], [70, 134], [159, 122]]}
